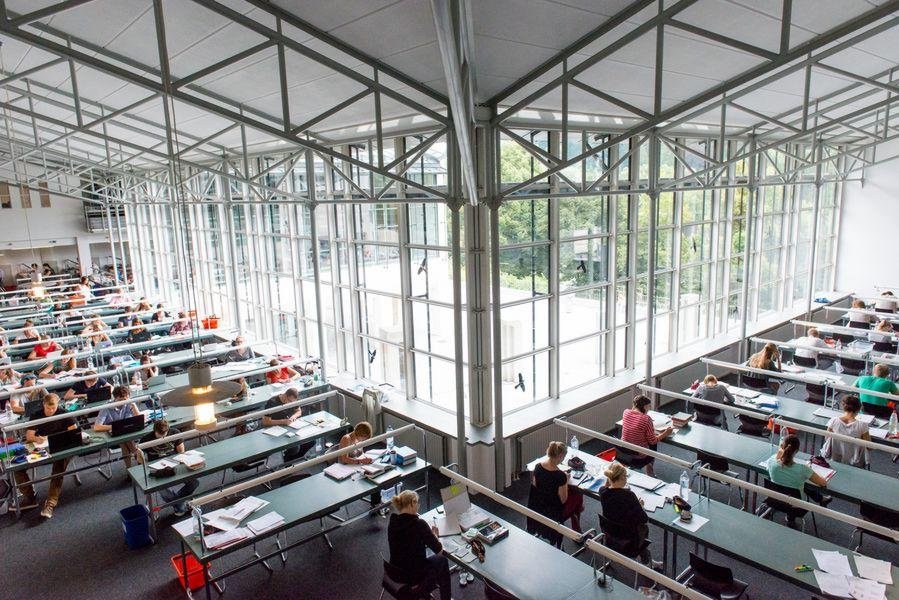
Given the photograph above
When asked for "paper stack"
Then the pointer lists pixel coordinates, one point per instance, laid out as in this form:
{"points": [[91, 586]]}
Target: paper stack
{"points": [[339, 471], [192, 459], [162, 464], [835, 576], [274, 431], [217, 541], [265, 523]]}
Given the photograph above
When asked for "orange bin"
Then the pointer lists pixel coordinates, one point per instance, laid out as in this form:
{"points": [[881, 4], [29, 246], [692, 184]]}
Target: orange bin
{"points": [[608, 455], [211, 322], [194, 579]]}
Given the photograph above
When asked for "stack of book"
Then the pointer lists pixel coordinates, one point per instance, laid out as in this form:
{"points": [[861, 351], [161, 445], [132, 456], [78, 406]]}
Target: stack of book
{"points": [[405, 455], [681, 419]]}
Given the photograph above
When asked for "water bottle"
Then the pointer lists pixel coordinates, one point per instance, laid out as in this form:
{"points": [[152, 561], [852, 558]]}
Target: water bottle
{"points": [[685, 485], [8, 412], [138, 380], [894, 426], [115, 380], [574, 445], [390, 439], [319, 446], [90, 362]]}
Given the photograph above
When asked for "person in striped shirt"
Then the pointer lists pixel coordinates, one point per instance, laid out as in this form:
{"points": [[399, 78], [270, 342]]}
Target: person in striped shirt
{"points": [[637, 429]]}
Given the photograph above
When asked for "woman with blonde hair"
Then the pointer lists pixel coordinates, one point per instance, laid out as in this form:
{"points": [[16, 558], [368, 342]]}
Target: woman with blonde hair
{"points": [[549, 492], [621, 506], [858, 315], [408, 537], [768, 358]]}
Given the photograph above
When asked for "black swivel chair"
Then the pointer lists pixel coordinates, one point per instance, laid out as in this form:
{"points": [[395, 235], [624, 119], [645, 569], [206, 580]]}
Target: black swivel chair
{"points": [[816, 393], [494, 592], [879, 516], [753, 427], [859, 324], [803, 361], [719, 465], [852, 366], [756, 382], [888, 347], [712, 580], [391, 583], [709, 416], [879, 411], [771, 505], [846, 338], [622, 539]]}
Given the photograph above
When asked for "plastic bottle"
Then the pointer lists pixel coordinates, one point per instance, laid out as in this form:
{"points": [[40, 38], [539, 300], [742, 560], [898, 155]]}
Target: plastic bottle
{"points": [[138, 380], [115, 380], [894, 423], [90, 362], [574, 444], [319, 446], [8, 411], [685, 485], [390, 442]]}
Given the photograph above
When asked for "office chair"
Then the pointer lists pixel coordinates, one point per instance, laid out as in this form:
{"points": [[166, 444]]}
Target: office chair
{"points": [[879, 411], [803, 361], [622, 539], [756, 382], [844, 337], [719, 465], [853, 366], [391, 584], [494, 592], [709, 416], [753, 427], [244, 467], [879, 516], [859, 324], [712, 580], [771, 505], [816, 393], [888, 347]]}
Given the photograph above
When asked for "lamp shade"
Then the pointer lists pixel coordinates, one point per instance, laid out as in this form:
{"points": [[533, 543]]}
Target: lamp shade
{"points": [[202, 393]]}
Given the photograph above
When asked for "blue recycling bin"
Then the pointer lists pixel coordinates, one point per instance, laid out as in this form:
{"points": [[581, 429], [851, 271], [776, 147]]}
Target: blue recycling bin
{"points": [[136, 525]]}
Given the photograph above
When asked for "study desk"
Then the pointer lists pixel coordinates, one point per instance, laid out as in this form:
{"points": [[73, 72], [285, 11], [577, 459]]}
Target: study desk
{"points": [[848, 483], [528, 567], [309, 499], [46, 321], [766, 545], [222, 455]]}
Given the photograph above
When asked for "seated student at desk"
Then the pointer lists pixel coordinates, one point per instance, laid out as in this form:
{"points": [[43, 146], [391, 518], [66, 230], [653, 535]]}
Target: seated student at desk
{"points": [[848, 424], [160, 430], [9, 376], [181, 324], [142, 305], [548, 493], [621, 505], [879, 381], [768, 358], [804, 345], [95, 332], [65, 363], [857, 316], [44, 347], [159, 315], [38, 435], [882, 336], [360, 433], [710, 390], [117, 298], [47, 270], [281, 375], [139, 333], [28, 333], [783, 470], [408, 537], [84, 288], [241, 352], [24, 398], [637, 428], [886, 302], [286, 417], [146, 371], [117, 413], [80, 389]]}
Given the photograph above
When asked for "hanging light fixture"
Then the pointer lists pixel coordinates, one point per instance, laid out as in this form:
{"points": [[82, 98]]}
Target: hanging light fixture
{"points": [[37, 284], [202, 393]]}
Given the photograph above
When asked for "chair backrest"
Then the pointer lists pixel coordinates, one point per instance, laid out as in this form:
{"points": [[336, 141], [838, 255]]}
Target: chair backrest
{"points": [[753, 426], [716, 463], [815, 393], [846, 338], [620, 537], [625, 456], [881, 412], [804, 361], [717, 576], [754, 381], [885, 347], [880, 515], [852, 365], [780, 505]]}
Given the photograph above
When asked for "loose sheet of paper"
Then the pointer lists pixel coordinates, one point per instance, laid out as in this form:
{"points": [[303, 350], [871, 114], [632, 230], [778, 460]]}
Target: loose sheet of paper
{"points": [[669, 490], [187, 527], [265, 523], [651, 502], [695, 523], [833, 562], [863, 589], [274, 431], [833, 585], [871, 568]]}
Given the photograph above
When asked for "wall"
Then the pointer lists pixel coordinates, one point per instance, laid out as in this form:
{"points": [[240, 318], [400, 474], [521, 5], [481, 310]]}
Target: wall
{"points": [[55, 233], [867, 238]]}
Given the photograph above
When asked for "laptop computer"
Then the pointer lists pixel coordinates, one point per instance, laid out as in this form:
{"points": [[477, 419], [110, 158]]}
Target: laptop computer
{"points": [[64, 440], [127, 425], [54, 355], [156, 380], [459, 512], [99, 394]]}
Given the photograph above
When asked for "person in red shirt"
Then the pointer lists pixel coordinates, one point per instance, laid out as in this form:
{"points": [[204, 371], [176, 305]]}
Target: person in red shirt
{"points": [[280, 375], [637, 429], [43, 348]]}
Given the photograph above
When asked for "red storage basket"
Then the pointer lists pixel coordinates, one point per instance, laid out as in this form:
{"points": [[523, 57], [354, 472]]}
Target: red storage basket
{"points": [[194, 578], [608, 455]]}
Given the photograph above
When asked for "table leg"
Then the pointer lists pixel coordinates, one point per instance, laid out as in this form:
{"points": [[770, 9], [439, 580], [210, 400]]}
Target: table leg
{"points": [[674, 554], [184, 570], [206, 581], [152, 514], [665, 549]]}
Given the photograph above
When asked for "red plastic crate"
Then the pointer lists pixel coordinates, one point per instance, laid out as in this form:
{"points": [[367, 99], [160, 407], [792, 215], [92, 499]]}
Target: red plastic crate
{"points": [[608, 455], [194, 571]]}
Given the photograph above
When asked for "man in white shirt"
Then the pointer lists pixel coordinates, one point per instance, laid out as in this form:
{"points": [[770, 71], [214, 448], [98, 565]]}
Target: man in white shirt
{"points": [[886, 302], [812, 339]]}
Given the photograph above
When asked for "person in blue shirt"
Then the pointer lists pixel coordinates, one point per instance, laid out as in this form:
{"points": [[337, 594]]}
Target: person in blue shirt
{"points": [[117, 413]]}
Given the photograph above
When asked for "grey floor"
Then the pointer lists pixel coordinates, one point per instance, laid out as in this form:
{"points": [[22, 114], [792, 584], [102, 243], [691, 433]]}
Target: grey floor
{"points": [[81, 553]]}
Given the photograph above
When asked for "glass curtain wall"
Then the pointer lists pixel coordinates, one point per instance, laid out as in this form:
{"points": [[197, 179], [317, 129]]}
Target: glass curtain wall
{"points": [[573, 263]]}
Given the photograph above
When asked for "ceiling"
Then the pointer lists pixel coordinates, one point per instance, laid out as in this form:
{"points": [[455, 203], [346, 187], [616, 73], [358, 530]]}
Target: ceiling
{"points": [[511, 38]]}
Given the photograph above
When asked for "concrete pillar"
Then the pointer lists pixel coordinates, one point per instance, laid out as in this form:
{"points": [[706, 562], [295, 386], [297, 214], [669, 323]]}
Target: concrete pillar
{"points": [[83, 245]]}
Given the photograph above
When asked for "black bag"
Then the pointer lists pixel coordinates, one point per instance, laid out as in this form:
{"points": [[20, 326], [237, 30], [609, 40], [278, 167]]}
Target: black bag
{"points": [[164, 472], [577, 463]]}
